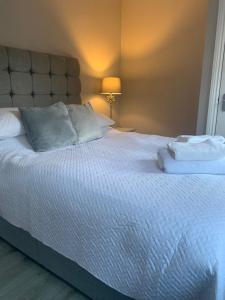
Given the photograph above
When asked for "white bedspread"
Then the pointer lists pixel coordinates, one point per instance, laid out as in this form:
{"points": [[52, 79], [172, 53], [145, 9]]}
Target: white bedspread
{"points": [[107, 206]]}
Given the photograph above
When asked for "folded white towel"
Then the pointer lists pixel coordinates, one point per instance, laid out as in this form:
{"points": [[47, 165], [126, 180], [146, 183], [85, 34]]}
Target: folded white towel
{"points": [[169, 165], [207, 150], [200, 138]]}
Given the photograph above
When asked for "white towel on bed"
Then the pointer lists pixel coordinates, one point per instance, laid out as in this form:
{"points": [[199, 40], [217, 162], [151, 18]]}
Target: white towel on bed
{"points": [[207, 150], [200, 138], [169, 165]]}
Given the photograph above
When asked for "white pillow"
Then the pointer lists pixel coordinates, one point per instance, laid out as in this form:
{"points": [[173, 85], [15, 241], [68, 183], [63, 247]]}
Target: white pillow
{"points": [[84, 122], [103, 120], [5, 109], [10, 123]]}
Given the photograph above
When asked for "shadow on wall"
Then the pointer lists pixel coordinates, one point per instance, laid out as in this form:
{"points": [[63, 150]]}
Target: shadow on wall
{"points": [[76, 28], [85, 33], [162, 70]]}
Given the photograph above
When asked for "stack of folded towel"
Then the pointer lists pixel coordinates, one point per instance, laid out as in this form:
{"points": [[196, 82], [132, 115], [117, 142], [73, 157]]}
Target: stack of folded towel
{"points": [[194, 155]]}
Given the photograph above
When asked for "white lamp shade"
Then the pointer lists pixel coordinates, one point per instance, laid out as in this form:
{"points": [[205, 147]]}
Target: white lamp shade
{"points": [[111, 85]]}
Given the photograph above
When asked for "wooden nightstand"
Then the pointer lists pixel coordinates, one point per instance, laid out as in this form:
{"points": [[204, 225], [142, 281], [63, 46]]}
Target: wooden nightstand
{"points": [[125, 129]]}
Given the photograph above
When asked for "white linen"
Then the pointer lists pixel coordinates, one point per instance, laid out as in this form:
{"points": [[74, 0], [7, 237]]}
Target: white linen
{"points": [[10, 124], [200, 138], [207, 150], [6, 109], [169, 165], [107, 206]]}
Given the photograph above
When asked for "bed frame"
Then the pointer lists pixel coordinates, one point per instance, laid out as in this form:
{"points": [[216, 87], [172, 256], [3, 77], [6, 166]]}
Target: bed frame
{"points": [[30, 78], [63, 267]]}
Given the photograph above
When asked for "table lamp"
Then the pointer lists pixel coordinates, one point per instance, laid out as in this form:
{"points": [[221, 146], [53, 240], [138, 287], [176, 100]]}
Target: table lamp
{"points": [[111, 86]]}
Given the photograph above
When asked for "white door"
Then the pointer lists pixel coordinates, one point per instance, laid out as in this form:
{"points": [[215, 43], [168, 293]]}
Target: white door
{"points": [[220, 122]]}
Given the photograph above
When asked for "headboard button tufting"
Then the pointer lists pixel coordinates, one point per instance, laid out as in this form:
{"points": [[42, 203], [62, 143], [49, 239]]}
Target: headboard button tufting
{"points": [[32, 78]]}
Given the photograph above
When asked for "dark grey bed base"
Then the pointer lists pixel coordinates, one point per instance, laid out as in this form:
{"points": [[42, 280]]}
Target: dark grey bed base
{"points": [[58, 264]]}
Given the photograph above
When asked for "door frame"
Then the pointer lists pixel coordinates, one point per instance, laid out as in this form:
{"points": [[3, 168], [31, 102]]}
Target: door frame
{"points": [[214, 97]]}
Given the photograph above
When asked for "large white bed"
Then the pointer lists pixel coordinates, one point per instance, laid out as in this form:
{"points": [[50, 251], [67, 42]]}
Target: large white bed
{"points": [[107, 206], [101, 215]]}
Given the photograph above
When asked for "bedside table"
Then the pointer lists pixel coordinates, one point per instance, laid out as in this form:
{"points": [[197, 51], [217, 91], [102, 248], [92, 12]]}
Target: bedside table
{"points": [[125, 129]]}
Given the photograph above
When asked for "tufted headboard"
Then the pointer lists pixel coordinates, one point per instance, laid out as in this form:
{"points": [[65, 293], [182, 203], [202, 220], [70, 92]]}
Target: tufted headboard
{"points": [[30, 78]]}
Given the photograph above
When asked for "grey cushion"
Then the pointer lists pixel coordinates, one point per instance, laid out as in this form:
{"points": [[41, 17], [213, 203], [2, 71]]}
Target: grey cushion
{"points": [[43, 100], [73, 86], [60, 98], [4, 83], [21, 83], [19, 60], [5, 101], [3, 59], [85, 123], [58, 65], [48, 127], [22, 100], [40, 63], [59, 85], [41, 84], [72, 67], [74, 99]]}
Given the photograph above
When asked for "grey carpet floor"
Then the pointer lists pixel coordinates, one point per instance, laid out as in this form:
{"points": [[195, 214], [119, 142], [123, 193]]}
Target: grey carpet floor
{"points": [[23, 279]]}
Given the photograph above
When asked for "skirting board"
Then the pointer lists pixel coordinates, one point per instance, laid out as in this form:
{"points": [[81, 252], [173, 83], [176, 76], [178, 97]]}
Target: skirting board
{"points": [[58, 264]]}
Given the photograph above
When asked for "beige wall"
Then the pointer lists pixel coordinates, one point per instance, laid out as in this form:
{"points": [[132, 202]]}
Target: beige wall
{"points": [[80, 28], [162, 50], [161, 43]]}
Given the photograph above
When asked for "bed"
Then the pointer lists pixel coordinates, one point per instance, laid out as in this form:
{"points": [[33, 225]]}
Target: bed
{"points": [[102, 215]]}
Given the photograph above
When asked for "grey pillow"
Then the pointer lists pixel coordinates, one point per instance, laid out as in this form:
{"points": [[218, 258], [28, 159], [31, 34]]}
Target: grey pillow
{"points": [[85, 123], [48, 127]]}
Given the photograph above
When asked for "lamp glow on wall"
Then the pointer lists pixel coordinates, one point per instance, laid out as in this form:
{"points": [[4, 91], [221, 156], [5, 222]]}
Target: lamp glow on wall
{"points": [[111, 86]]}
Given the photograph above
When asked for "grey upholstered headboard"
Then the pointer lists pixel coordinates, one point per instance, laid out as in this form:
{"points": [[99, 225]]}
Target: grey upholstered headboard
{"points": [[30, 78]]}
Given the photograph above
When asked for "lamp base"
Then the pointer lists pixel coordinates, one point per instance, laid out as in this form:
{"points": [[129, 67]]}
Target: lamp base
{"points": [[110, 98], [110, 109]]}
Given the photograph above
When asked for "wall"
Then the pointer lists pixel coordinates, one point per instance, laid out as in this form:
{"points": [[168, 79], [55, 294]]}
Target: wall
{"points": [[80, 28], [162, 50], [161, 43], [207, 67]]}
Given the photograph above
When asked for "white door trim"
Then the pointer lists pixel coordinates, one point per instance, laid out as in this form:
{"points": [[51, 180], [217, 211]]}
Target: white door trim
{"points": [[216, 70]]}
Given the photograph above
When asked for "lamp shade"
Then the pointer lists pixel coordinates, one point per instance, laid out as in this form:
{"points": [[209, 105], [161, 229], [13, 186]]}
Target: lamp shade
{"points": [[111, 85]]}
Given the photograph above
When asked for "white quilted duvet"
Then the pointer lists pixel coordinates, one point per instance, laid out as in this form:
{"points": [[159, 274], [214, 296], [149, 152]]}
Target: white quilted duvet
{"points": [[108, 207]]}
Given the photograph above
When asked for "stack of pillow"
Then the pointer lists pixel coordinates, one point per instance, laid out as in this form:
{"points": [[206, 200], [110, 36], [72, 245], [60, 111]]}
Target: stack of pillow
{"points": [[194, 155], [54, 126]]}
